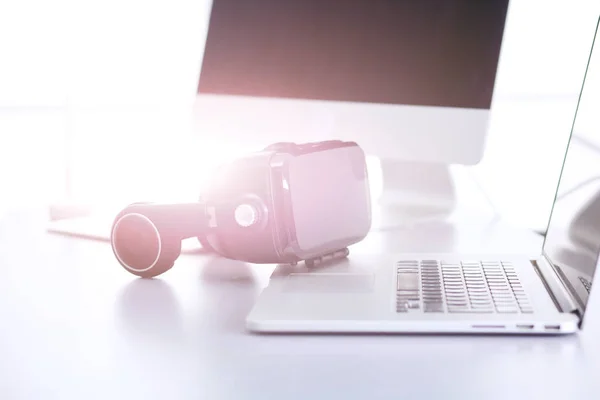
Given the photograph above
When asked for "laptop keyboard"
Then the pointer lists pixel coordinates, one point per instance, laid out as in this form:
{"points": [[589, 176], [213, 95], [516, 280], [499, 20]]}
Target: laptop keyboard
{"points": [[586, 284], [433, 286]]}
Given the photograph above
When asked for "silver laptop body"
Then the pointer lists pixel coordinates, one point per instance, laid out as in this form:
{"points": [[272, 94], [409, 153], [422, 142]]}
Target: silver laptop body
{"points": [[445, 293]]}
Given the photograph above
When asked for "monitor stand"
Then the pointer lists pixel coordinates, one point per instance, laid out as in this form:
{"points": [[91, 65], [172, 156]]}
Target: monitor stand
{"points": [[413, 192]]}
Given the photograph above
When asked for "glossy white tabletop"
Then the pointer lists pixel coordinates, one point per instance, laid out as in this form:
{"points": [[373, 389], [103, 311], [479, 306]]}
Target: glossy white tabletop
{"points": [[76, 325]]}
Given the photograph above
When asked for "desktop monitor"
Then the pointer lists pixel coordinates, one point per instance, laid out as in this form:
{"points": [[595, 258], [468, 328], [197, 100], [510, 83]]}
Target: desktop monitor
{"points": [[410, 81]]}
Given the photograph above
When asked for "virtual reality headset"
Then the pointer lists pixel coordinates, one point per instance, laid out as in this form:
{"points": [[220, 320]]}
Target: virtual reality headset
{"points": [[285, 204]]}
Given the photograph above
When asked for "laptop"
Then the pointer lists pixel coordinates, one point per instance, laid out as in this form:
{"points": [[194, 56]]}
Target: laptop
{"points": [[429, 293]]}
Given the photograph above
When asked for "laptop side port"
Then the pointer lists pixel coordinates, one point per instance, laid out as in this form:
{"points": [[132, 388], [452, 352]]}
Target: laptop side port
{"points": [[489, 326], [525, 326], [552, 327]]}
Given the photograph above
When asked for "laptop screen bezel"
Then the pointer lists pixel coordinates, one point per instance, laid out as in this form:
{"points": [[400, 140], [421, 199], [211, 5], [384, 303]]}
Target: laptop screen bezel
{"points": [[566, 282]]}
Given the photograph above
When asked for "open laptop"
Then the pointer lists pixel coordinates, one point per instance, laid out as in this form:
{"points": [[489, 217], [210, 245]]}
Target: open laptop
{"points": [[445, 293]]}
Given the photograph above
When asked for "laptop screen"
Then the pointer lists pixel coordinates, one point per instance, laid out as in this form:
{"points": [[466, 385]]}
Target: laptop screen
{"points": [[573, 237], [426, 52]]}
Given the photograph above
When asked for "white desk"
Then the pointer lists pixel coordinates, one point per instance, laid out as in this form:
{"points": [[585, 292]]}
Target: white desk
{"points": [[75, 325]]}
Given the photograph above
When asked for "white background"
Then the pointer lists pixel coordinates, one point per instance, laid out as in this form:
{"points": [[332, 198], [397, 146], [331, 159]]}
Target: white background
{"points": [[63, 62]]}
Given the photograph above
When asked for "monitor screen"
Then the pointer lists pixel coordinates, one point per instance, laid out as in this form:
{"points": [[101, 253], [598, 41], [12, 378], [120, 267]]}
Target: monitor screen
{"points": [[573, 237], [426, 52]]}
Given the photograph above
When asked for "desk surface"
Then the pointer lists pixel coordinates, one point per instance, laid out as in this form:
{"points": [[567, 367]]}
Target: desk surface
{"points": [[75, 325]]}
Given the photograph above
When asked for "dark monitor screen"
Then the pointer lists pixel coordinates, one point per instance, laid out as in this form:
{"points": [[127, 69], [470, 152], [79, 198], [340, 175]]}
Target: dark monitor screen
{"points": [[425, 52]]}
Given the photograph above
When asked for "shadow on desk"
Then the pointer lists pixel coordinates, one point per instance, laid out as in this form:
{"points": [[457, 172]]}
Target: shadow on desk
{"points": [[150, 309]]}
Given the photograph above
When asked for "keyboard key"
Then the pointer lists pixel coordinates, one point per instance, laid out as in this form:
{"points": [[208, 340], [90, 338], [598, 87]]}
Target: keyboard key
{"points": [[504, 301], [480, 299], [499, 285], [488, 308], [503, 297], [474, 287], [413, 304], [507, 310], [458, 305], [474, 278], [502, 293], [458, 310], [407, 281], [457, 296], [497, 293], [501, 303], [456, 300], [478, 293], [405, 299], [482, 306]]}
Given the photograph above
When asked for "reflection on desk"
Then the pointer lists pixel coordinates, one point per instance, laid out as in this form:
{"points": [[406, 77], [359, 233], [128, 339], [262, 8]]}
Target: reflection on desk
{"points": [[76, 325]]}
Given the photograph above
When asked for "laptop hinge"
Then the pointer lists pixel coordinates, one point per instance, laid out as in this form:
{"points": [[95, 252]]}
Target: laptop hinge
{"points": [[562, 298]]}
